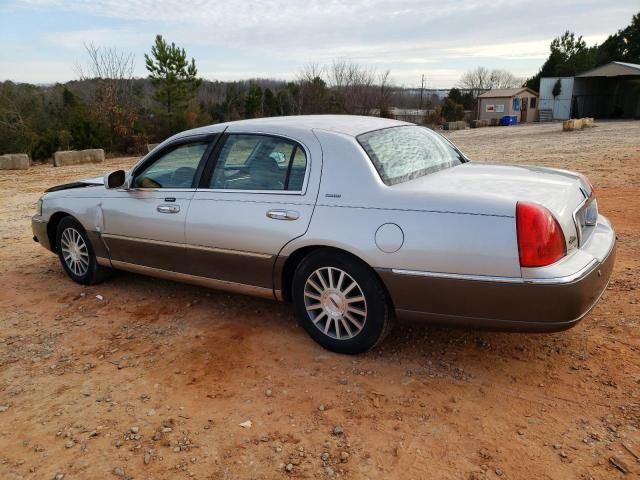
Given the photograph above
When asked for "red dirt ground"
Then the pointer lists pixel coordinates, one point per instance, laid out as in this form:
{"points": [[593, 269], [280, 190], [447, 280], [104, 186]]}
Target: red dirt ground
{"points": [[154, 380]]}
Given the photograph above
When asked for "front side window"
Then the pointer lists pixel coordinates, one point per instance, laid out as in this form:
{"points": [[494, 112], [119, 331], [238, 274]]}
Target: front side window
{"points": [[175, 169], [259, 162], [400, 154]]}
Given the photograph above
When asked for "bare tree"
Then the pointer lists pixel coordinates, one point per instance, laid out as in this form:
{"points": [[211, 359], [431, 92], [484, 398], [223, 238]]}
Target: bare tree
{"points": [[10, 116], [107, 64], [385, 92], [112, 72], [312, 94], [14, 132], [481, 79], [311, 71], [476, 80], [354, 87], [504, 79]]}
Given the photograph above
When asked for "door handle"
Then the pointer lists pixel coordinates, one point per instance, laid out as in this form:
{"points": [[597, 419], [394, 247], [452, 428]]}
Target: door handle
{"points": [[283, 214], [168, 208]]}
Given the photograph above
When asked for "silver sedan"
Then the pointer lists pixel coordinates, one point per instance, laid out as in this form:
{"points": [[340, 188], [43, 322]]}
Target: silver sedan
{"points": [[356, 221]]}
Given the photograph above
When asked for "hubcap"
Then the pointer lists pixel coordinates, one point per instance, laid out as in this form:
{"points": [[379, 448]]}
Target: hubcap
{"points": [[74, 251], [335, 303]]}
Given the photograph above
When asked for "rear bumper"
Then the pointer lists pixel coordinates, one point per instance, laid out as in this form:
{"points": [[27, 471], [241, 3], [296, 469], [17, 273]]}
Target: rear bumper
{"points": [[39, 228], [513, 304]]}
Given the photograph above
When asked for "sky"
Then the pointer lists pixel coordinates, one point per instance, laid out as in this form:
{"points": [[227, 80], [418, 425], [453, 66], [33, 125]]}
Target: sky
{"points": [[42, 41]]}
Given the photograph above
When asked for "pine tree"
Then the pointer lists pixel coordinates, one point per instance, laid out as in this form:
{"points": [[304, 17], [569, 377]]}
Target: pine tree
{"points": [[253, 101], [174, 77]]}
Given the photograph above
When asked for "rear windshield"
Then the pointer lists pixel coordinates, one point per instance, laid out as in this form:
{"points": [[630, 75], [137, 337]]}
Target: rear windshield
{"points": [[403, 153]]}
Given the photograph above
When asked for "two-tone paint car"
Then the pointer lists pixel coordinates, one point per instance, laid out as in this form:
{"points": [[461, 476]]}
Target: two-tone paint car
{"points": [[354, 220]]}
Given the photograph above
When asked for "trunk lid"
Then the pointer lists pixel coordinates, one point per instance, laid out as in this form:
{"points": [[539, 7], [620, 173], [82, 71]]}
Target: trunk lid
{"points": [[560, 191]]}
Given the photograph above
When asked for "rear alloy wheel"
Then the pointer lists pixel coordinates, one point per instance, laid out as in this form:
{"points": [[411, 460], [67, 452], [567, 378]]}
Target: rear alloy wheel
{"points": [[76, 253], [335, 303], [340, 302]]}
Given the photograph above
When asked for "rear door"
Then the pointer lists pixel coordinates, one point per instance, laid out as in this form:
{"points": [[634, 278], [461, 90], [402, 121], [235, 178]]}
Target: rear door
{"points": [[144, 224], [257, 194]]}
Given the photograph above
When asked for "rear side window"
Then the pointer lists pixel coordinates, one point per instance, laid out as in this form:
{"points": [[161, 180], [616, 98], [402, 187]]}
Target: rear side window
{"points": [[400, 154], [259, 162]]}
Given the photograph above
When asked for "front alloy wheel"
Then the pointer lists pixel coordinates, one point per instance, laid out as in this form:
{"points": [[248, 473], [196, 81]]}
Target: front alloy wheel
{"points": [[76, 253], [340, 302]]}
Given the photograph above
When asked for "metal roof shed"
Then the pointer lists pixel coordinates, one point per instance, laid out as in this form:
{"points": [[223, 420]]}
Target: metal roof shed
{"points": [[609, 91]]}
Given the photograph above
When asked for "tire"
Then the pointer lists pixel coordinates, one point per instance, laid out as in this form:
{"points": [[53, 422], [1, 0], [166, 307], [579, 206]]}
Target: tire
{"points": [[339, 316], [76, 253]]}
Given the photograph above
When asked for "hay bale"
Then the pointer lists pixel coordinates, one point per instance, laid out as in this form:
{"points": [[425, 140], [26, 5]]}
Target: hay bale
{"points": [[577, 124], [15, 161], [77, 157], [461, 124]]}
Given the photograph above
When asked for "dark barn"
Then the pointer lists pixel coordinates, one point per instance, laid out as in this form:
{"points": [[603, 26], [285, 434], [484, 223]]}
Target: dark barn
{"points": [[609, 91]]}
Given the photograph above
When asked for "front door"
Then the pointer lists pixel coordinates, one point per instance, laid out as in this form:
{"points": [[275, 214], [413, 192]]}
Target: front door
{"points": [[524, 104], [259, 195], [144, 225]]}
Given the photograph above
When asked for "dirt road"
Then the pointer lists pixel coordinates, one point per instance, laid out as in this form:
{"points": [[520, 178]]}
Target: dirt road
{"points": [[154, 379]]}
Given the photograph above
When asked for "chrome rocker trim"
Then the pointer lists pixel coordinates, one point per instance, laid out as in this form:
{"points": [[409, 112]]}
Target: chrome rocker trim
{"points": [[195, 280]]}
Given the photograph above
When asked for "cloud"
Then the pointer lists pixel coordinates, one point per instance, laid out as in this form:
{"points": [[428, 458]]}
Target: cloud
{"points": [[36, 71], [538, 49], [108, 37], [277, 37]]}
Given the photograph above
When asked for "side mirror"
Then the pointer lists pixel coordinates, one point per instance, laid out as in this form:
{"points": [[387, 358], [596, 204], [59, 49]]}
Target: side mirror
{"points": [[115, 179]]}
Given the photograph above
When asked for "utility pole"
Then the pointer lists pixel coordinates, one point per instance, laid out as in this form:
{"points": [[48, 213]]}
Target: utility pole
{"points": [[421, 91]]}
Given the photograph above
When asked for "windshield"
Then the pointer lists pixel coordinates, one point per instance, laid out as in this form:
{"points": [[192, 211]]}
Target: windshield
{"points": [[403, 153]]}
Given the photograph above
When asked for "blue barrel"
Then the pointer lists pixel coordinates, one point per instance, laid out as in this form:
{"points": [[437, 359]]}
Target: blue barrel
{"points": [[509, 120]]}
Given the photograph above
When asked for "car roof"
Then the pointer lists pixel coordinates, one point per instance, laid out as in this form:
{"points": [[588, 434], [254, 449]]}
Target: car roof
{"points": [[352, 125]]}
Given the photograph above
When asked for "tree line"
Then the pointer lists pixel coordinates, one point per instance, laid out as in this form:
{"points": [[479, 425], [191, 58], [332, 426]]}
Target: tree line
{"points": [[108, 107]]}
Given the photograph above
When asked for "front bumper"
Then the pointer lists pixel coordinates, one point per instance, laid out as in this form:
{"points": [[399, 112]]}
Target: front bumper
{"points": [[40, 234], [514, 304]]}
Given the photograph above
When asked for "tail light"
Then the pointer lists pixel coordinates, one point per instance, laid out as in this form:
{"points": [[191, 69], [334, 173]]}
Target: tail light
{"points": [[540, 238]]}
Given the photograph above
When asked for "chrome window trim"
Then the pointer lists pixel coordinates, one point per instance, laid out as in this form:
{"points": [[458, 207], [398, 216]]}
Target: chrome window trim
{"points": [[235, 190], [485, 278], [175, 141], [307, 172], [186, 245], [164, 190]]}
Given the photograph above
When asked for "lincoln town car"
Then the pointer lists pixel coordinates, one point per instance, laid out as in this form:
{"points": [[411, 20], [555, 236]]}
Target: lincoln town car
{"points": [[354, 221]]}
